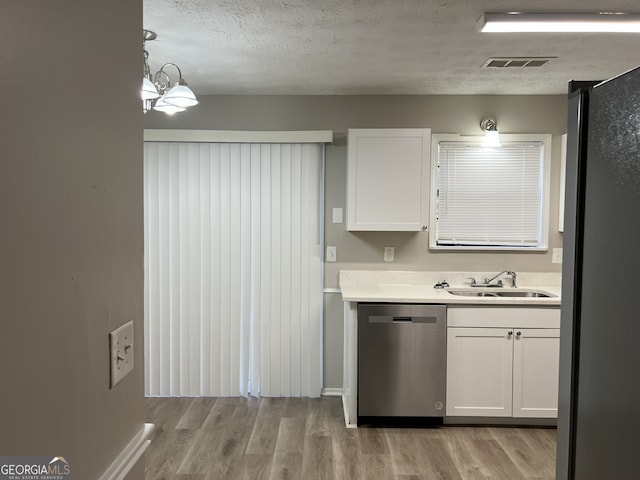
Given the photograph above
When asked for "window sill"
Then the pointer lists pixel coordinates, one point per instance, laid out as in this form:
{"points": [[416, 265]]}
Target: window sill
{"points": [[483, 248]]}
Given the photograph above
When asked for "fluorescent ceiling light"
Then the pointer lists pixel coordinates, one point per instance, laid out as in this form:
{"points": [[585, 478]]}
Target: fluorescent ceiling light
{"points": [[560, 22]]}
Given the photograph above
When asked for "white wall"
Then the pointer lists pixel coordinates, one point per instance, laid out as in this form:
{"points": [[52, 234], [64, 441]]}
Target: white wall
{"points": [[443, 114], [71, 236]]}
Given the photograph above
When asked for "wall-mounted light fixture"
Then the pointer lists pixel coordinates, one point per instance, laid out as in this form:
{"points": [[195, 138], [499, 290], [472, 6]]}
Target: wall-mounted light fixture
{"points": [[489, 126], [157, 92], [604, 22]]}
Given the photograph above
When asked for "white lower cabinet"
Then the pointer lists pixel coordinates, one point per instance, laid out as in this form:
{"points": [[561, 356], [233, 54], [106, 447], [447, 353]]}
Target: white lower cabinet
{"points": [[536, 361], [479, 372], [499, 371]]}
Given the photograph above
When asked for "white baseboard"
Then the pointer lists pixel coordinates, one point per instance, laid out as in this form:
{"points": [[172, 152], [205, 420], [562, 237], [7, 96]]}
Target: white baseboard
{"points": [[130, 455], [331, 392]]}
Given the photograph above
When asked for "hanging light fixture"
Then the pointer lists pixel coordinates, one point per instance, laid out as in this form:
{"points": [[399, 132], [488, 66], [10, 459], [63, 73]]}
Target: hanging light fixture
{"points": [[157, 90], [491, 136]]}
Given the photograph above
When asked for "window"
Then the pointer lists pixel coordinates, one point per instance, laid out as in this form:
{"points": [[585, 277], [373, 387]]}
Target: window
{"points": [[490, 198]]}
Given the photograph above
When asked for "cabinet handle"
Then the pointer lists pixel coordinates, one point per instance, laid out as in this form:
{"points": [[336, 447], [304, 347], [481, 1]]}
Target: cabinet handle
{"points": [[509, 333], [424, 227], [518, 333]]}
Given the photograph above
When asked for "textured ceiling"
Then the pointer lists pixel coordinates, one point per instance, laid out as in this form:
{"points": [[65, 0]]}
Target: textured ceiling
{"points": [[296, 47]]}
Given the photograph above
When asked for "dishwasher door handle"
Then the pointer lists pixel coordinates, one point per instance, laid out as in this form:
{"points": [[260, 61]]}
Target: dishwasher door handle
{"points": [[402, 319], [391, 319]]}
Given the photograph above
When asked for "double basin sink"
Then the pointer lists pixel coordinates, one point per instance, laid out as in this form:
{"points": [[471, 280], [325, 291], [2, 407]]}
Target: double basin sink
{"points": [[495, 292]]}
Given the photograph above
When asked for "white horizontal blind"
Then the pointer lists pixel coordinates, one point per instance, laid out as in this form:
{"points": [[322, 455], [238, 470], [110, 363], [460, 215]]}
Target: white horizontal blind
{"points": [[233, 280], [490, 196]]}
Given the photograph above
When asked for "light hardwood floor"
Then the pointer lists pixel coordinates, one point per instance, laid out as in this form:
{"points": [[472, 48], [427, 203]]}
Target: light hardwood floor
{"points": [[300, 438]]}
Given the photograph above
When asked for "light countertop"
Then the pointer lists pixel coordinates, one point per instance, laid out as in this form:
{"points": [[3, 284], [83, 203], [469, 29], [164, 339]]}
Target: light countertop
{"points": [[417, 287]]}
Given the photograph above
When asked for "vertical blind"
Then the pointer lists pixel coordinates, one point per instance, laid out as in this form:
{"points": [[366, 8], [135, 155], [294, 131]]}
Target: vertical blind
{"points": [[233, 273], [490, 196]]}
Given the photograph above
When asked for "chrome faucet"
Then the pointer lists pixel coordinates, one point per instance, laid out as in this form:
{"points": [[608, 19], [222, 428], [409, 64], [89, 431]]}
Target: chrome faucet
{"points": [[487, 281]]}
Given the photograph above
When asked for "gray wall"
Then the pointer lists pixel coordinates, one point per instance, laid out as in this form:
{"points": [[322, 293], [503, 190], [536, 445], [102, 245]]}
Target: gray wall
{"points": [[363, 250], [71, 233]]}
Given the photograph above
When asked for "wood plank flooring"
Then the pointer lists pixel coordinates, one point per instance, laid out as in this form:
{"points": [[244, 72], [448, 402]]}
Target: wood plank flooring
{"points": [[301, 438]]}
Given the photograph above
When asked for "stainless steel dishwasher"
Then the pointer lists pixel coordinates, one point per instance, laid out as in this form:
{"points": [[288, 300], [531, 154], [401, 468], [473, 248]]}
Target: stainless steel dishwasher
{"points": [[402, 355]]}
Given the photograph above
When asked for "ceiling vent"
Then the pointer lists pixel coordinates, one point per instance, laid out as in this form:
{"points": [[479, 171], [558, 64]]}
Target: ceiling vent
{"points": [[517, 62]]}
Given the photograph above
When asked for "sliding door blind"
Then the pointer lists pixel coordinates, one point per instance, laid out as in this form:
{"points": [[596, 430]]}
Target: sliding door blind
{"points": [[233, 279], [489, 196]]}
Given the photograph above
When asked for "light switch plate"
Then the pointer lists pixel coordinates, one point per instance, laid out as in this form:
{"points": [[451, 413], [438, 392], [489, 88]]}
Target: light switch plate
{"points": [[388, 254], [121, 348], [556, 256], [331, 254], [337, 215]]}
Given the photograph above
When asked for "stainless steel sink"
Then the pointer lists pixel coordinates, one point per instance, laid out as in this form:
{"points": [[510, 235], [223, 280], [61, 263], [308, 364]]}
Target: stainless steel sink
{"points": [[500, 293], [524, 293], [473, 293]]}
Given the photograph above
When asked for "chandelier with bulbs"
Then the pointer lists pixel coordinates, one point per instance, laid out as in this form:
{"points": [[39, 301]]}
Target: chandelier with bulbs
{"points": [[159, 92]]}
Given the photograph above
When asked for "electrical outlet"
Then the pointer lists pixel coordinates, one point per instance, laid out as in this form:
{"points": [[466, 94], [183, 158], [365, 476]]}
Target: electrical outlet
{"points": [[556, 256], [331, 254], [388, 254], [121, 348]]}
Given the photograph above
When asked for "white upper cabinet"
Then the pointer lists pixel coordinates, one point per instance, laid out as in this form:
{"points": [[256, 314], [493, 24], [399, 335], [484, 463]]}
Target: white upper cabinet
{"points": [[388, 177], [563, 170]]}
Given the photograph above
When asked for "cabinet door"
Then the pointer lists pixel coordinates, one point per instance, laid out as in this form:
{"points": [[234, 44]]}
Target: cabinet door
{"points": [[536, 359], [388, 174], [479, 371]]}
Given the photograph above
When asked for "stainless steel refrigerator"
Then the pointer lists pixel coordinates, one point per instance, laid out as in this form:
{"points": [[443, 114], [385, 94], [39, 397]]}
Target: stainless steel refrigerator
{"points": [[599, 399]]}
